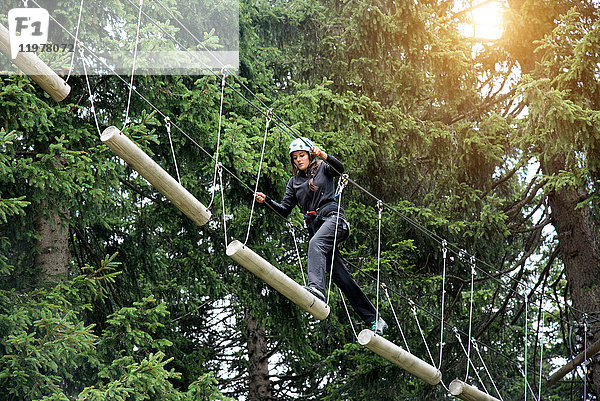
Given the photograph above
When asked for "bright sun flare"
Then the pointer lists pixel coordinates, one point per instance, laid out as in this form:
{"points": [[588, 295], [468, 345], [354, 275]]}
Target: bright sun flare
{"points": [[486, 20]]}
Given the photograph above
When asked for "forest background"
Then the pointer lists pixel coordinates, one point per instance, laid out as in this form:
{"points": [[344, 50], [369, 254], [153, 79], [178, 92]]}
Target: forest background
{"points": [[107, 291]]}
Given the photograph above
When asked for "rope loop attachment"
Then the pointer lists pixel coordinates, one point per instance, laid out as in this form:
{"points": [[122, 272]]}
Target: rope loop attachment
{"points": [[342, 183]]}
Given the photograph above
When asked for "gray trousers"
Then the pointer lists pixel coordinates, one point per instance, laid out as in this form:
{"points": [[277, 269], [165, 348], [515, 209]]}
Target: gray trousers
{"points": [[320, 250]]}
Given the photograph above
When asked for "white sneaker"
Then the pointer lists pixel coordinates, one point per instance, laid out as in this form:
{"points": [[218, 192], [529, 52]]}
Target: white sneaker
{"points": [[379, 326], [315, 292]]}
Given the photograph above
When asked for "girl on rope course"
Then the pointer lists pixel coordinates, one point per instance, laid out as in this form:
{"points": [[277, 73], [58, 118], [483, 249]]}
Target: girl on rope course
{"points": [[312, 188]]}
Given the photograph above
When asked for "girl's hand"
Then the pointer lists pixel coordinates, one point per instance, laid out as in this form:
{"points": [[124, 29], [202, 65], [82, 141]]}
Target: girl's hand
{"points": [[318, 152], [260, 197]]}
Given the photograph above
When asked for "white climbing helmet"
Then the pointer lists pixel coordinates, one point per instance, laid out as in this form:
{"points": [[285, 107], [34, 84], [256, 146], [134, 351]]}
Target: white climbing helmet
{"points": [[301, 144]]}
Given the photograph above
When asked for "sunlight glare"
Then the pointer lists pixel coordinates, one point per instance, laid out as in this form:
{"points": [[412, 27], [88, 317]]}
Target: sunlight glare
{"points": [[487, 20]]}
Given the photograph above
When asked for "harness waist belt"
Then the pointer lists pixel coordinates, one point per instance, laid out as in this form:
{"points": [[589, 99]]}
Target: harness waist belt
{"points": [[312, 213]]}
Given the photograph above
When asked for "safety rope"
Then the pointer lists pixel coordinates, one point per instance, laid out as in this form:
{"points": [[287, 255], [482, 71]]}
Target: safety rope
{"points": [[343, 180], [262, 155], [75, 42], [444, 255], [137, 36], [168, 127], [216, 156]]}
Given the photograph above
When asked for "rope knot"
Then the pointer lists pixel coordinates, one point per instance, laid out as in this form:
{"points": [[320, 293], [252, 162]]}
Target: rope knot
{"points": [[412, 305], [462, 255], [224, 74]]}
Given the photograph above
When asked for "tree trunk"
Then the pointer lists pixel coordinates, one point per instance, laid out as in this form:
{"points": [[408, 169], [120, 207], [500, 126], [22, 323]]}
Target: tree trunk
{"points": [[578, 245], [53, 246], [258, 368]]}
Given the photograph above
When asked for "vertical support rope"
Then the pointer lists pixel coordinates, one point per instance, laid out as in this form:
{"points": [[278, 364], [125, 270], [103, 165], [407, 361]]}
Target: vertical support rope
{"points": [[291, 228], [220, 170], [137, 37], [395, 316], [469, 361], [338, 195], [76, 41], [527, 385], [470, 317], [541, 357], [476, 348], [168, 126], [585, 330], [212, 197], [87, 80], [262, 154], [348, 313], [525, 339], [444, 255], [539, 336], [379, 210], [414, 311], [337, 221]]}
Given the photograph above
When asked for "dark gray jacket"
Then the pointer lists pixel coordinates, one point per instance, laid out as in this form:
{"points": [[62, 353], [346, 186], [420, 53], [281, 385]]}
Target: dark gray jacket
{"points": [[299, 193]]}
